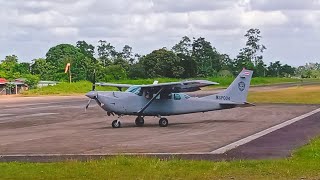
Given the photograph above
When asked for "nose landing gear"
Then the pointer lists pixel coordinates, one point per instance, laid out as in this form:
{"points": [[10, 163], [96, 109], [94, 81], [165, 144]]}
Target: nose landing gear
{"points": [[116, 123]]}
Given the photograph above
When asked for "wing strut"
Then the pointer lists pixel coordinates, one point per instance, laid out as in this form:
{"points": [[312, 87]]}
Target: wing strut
{"points": [[151, 100]]}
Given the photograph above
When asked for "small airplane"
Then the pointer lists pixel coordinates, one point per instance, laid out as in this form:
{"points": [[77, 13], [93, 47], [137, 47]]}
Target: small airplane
{"points": [[166, 99]]}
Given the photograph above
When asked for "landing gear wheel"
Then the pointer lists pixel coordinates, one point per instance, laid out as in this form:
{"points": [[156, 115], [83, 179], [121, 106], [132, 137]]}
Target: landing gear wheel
{"points": [[139, 121], [116, 124], [163, 122]]}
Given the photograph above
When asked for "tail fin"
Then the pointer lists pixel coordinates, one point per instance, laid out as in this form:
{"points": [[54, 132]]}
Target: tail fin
{"points": [[237, 92]]}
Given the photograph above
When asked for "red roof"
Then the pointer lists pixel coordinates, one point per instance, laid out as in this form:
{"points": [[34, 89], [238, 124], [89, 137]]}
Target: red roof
{"points": [[3, 80]]}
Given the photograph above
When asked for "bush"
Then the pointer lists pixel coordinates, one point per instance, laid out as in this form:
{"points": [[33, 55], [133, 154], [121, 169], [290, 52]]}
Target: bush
{"points": [[31, 80], [225, 73]]}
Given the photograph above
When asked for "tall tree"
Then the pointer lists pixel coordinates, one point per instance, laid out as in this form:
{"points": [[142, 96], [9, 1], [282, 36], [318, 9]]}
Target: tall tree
{"points": [[162, 63], [251, 55], [10, 66], [86, 49], [106, 52], [226, 62], [184, 46], [183, 49], [127, 54], [274, 69], [137, 71], [43, 69], [24, 68], [287, 70], [62, 54], [206, 57]]}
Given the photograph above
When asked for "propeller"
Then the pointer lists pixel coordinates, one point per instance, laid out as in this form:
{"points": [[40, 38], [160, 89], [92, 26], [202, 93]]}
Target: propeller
{"points": [[93, 94]]}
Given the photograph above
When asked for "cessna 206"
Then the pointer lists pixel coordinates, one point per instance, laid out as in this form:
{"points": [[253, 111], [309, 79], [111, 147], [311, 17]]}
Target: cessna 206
{"points": [[165, 99]]}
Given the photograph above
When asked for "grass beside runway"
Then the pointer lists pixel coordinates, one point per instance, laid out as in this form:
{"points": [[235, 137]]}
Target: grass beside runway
{"points": [[304, 164], [292, 95]]}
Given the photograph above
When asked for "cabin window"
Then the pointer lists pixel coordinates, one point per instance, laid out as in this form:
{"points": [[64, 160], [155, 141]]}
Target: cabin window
{"points": [[138, 92], [177, 97], [158, 97]]}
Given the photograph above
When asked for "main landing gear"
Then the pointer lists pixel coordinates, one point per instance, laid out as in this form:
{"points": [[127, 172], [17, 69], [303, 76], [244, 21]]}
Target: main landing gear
{"points": [[139, 121], [163, 122]]}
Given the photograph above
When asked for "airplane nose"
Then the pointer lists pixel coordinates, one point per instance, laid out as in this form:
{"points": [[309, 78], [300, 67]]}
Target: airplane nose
{"points": [[91, 94]]}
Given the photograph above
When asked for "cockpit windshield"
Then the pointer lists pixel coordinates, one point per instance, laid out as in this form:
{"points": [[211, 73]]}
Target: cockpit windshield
{"points": [[134, 89]]}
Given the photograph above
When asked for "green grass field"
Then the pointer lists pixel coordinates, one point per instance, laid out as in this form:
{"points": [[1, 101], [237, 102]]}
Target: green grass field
{"points": [[293, 95], [304, 164], [85, 86]]}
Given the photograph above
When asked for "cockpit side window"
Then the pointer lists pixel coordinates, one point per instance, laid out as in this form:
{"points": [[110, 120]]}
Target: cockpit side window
{"points": [[139, 92], [177, 97]]}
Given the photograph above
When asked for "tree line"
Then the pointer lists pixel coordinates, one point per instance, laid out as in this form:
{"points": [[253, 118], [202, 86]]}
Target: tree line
{"points": [[189, 58]]}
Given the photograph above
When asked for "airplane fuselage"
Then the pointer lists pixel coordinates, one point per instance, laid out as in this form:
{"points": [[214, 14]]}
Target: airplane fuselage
{"points": [[126, 103], [166, 99]]}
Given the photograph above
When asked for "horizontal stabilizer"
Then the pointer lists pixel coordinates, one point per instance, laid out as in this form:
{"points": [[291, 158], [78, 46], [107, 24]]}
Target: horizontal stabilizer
{"points": [[229, 103], [245, 104], [249, 104]]}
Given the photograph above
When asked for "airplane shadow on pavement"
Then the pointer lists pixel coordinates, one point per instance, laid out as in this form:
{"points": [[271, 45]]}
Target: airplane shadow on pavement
{"points": [[173, 124]]}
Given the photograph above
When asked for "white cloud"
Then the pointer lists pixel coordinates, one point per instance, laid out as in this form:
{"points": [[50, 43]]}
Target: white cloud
{"points": [[65, 31], [271, 5], [260, 19], [150, 24], [312, 19], [49, 18]]}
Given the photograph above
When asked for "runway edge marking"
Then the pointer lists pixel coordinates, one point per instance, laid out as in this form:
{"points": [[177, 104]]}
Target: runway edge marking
{"points": [[257, 135]]}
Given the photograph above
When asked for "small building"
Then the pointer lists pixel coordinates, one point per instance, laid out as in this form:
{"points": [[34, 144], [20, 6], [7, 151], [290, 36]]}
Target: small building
{"points": [[46, 83], [14, 87], [3, 82]]}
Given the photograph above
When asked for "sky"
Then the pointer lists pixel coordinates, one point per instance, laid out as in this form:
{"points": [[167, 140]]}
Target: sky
{"points": [[290, 29]]}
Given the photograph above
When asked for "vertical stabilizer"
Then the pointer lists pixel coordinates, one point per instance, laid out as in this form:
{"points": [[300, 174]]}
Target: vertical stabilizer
{"points": [[238, 90]]}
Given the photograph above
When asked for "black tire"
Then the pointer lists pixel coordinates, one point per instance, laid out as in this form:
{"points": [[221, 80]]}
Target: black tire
{"points": [[116, 124], [163, 122], [139, 121]]}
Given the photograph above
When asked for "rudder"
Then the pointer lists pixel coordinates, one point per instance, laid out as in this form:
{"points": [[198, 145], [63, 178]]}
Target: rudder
{"points": [[238, 90]]}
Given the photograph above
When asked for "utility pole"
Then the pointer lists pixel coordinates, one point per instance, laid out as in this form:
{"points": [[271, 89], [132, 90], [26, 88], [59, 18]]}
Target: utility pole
{"points": [[69, 74]]}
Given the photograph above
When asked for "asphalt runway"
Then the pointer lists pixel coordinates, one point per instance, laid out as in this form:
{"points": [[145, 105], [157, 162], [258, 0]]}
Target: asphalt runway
{"points": [[60, 126]]}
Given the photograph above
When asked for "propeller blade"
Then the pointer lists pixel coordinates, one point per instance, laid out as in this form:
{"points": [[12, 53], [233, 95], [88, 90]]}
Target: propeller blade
{"points": [[97, 100], [88, 104]]}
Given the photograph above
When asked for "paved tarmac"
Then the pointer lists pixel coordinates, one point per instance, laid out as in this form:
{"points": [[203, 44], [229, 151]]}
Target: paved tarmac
{"points": [[59, 125]]}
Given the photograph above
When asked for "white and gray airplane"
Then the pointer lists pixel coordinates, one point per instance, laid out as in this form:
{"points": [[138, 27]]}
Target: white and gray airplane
{"points": [[166, 99]]}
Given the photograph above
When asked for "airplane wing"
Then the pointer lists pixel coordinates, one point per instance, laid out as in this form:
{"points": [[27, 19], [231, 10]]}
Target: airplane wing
{"points": [[114, 85], [183, 86]]}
